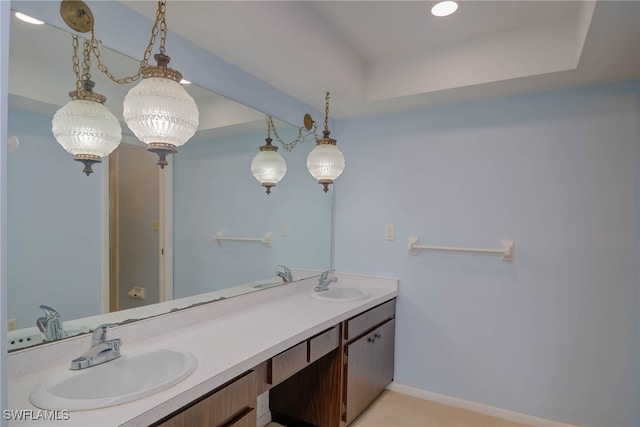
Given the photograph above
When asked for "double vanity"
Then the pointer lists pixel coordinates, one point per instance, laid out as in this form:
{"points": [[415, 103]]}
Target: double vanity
{"points": [[322, 358]]}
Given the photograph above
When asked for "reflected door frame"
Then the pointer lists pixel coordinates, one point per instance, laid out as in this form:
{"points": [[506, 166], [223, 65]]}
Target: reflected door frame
{"points": [[165, 249]]}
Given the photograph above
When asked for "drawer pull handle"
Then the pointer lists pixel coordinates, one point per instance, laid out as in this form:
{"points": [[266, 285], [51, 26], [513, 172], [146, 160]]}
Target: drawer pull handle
{"points": [[371, 340], [377, 336]]}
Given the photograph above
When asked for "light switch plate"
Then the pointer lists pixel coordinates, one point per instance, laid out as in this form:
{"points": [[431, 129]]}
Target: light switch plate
{"points": [[390, 232]]}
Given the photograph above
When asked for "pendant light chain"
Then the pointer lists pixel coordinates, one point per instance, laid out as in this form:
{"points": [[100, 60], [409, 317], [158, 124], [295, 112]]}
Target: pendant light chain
{"points": [[76, 63], [159, 26], [86, 61], [269, 126], [302, 137], [326, 113]]}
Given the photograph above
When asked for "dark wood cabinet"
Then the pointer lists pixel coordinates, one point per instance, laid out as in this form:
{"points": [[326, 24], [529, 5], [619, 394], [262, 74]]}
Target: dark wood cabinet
{"points": [[231, 405], [368, 368], [326, 380]]}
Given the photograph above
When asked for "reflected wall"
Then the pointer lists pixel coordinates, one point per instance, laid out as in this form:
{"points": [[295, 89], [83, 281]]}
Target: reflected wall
{"points": [[214, 191]]}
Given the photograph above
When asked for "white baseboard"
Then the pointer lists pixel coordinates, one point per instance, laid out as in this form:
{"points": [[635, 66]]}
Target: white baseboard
{"points": [[476, 407]]}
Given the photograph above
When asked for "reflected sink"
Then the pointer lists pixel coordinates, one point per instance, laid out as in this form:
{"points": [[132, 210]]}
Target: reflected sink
{"points": [[134, 375], [341, 294]]}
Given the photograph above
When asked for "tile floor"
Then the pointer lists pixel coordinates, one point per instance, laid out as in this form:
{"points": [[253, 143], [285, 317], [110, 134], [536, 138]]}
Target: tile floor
{"points": [[394, 409]]}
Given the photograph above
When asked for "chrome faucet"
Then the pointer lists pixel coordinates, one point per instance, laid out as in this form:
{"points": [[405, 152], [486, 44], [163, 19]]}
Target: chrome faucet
{"points": [[284, 273], [50, 324], [102, 350], [325, 281]]}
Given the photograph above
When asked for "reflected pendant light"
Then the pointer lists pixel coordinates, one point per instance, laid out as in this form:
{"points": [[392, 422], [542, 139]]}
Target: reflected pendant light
{"points": [[268, 167], [158, 110], [84, 126], [325, 162]]}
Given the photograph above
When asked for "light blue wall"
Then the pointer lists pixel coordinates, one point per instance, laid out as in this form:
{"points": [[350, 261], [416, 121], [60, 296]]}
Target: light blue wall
{"points": [[54, 223], [214, 190], [554, 335]]}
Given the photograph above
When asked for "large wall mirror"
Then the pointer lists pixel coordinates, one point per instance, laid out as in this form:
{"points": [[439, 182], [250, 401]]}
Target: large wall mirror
{"points": [[132, 241]]}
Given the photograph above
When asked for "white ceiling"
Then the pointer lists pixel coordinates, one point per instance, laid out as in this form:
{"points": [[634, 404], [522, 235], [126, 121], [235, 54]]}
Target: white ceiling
{"points": [[382, 56], [373, 56]]}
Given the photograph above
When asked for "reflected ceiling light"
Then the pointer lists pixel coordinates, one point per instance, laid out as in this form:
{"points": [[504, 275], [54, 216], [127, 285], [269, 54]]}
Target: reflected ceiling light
{"points": [[84, 126], [28, 19], [325, 162], [444, 8], [158, 110], [268, 167]]}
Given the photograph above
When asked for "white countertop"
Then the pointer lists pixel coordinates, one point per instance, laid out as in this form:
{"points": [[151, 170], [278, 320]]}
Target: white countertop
{"points": [[245, 332]]}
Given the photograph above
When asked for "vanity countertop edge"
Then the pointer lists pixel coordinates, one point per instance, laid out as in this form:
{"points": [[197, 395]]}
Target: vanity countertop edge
{"points": [[225, 346]]}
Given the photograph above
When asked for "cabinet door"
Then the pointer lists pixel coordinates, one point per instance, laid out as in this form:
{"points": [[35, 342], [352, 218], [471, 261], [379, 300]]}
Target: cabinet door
{"points": [[369, 368]]}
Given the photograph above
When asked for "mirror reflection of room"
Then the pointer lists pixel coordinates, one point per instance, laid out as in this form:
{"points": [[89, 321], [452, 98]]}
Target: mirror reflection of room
{"points": [[132, 235]]}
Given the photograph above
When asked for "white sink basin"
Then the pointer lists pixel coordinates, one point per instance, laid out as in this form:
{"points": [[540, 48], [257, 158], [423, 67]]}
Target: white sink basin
{"points": [[134, 375], [341, 294]]}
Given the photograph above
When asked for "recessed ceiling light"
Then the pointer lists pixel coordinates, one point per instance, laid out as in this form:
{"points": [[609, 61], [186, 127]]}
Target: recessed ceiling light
{"points": [[444, 8], [185, 82], [28, 19]]}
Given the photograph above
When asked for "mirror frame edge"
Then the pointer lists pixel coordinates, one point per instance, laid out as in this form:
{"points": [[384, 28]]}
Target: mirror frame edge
{"points": [[5, 20]]}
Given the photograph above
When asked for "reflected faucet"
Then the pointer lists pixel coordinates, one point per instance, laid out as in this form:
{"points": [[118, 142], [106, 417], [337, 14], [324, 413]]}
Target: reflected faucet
{"points": [[101, 350], [325, 281], [50, 324], [284, 273]]}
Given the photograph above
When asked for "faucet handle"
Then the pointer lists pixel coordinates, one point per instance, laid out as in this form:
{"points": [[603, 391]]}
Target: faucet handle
{"points": [[325, 275], [284, 269], [49, 311], [100, 333]]}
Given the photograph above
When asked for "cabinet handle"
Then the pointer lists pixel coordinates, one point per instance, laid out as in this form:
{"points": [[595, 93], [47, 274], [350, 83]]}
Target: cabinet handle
{"points": [[371, 340], [377, 336]]}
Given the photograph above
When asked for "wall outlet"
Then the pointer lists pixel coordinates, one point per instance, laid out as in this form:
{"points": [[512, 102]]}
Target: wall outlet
{"points": [[12, 324], [284, 230], [390, 232]]}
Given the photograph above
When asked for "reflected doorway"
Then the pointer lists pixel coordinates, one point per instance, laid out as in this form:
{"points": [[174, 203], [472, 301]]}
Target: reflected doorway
{"points": [[135, 228]]}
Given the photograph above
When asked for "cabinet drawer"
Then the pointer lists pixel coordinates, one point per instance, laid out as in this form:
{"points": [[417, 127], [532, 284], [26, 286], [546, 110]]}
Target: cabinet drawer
{"points": [[288, 363], [220, 408], [322, 344], [369, 319], [247, 420]]}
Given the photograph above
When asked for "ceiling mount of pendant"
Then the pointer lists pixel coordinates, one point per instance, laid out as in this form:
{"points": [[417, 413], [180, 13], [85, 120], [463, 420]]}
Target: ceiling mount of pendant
{"points": [[308, 122], [77, 15]]}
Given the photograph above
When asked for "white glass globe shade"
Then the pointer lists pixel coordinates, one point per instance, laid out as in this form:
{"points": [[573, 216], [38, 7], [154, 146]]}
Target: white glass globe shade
{"points": [[268, 167], [85, 127], [159, 110], [325, 163]]}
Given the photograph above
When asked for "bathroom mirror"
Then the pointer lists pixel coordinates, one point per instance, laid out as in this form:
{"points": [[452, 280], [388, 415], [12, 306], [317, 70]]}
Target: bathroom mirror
{"points": [[58, 219]]}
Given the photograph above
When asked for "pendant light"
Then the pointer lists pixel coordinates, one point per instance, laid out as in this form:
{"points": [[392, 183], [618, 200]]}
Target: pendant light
{"points": [[159, 111], [325, 162], [84, 126], [268, 167]]}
